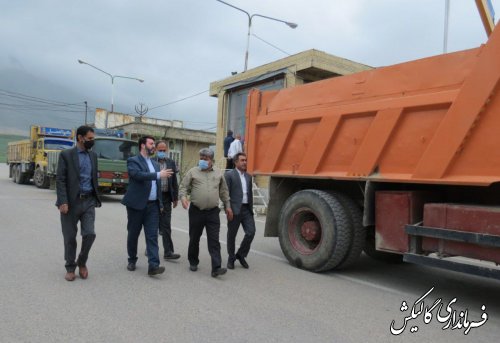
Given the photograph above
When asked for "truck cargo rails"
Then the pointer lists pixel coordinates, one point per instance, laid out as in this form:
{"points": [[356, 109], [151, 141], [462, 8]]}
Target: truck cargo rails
{"points": [[401, 161]]}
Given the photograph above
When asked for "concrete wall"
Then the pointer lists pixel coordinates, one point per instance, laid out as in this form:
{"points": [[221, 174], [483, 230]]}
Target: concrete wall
{"points": [[190, 140]]}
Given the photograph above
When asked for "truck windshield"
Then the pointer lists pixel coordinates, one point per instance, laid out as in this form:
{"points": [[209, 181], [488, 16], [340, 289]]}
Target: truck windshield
{"points": [[57, 144], [113, 149]]}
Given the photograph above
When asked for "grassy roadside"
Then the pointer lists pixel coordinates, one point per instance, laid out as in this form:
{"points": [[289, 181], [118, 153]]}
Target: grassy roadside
{"points": [[4, 139]]}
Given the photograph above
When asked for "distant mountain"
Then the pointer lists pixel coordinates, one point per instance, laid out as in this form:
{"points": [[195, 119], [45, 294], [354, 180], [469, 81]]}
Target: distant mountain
{"points": [[17, 119]]}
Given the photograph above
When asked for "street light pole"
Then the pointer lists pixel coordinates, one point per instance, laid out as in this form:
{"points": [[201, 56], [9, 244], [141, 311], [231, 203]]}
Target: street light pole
{"points": [[112, 85], [250, 17], [85, 112]]}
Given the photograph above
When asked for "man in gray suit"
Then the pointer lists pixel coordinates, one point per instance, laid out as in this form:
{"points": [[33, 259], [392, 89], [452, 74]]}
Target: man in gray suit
{"points": [[77, 199], [239, 183]]}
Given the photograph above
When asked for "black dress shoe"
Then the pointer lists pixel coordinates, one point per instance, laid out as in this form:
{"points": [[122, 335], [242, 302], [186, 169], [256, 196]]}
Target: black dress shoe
{"points": [[230, 264], [242, 261], [131, 266], [156, 271], [171, 256], [219, 271], [193, 268]]}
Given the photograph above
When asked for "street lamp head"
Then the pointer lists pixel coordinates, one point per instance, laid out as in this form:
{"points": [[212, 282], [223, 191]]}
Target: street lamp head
{"points": [[140, 80], [292, 25], [81, 62]]}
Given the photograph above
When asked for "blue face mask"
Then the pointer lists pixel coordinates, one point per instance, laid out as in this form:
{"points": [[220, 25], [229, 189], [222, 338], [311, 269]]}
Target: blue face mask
{"points": [[161, 155], [203, 164]]}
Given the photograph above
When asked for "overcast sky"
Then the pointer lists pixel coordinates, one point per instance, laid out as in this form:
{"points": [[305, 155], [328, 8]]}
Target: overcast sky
{"points": [[179, 46]]}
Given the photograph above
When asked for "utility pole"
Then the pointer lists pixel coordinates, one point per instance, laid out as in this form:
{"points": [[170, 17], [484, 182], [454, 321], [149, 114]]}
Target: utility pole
{"points": [[85, 112]]}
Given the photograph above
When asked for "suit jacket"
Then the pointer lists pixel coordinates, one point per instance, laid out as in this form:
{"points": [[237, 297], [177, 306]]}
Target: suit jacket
{"points": [[233, 182], [173, 185], [68, 177], [139, 183]]}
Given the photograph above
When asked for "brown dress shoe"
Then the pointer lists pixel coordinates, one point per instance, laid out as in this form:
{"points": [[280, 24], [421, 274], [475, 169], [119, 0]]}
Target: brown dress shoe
{"points": [[84, 272], [70, 276]]}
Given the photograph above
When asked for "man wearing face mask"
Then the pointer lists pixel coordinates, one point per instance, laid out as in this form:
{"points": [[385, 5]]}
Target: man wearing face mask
{"points": [[169, 197], [205, 184], [144, 203], [77, 199]]}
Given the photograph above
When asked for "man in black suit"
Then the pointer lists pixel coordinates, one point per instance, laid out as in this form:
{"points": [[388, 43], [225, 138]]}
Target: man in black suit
{"points": [[77, 199], [169, 197], [239, 183], [143, 201]]}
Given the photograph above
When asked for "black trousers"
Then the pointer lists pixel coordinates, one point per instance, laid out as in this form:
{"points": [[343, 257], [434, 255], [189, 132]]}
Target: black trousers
{"points": [[229, 163], [245, 218], [82, 211], [165, 224], [199, 219]]}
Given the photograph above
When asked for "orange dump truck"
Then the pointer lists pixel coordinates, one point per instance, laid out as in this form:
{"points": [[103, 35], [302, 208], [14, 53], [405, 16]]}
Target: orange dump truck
{"points": [[401, 161]]}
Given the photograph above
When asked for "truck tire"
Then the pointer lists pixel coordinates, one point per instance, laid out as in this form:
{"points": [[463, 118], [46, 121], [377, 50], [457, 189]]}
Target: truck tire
{"points": [[370, 250], [40, 179], [17, 174], [12, 172], [358, 230], [314, 230]]}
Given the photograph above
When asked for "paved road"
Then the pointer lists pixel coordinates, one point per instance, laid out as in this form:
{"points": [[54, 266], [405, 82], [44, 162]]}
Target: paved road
{"points": [[270, 302]]}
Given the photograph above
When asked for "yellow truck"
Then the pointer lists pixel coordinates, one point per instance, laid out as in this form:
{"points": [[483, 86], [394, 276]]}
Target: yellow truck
{"points": [[27, 159]]}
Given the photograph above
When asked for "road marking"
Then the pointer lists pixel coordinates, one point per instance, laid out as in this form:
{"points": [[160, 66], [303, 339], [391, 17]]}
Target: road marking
{"points": [[336, 275]]}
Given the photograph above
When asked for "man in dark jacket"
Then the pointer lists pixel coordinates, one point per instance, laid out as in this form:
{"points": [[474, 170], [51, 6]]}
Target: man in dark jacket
{"points": [[144, 203], [227, 143], [169, 197], [239, 184], [77, 199]]}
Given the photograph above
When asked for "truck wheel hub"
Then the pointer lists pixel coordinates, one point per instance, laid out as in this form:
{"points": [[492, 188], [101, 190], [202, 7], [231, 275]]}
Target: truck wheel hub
{"points": [[311, 231]]}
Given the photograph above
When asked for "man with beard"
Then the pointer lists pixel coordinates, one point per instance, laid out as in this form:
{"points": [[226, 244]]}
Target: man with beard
{"points": [[144, 203]]}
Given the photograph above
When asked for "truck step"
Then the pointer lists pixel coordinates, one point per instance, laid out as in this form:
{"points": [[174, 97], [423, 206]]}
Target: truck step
{"points": [[458, 265], [454, 235]]}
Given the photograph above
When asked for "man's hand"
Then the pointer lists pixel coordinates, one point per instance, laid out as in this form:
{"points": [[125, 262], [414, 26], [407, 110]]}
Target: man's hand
{"points": [[185, 203], [229, 213], [174, 204], [64, 208], [166, 173]]}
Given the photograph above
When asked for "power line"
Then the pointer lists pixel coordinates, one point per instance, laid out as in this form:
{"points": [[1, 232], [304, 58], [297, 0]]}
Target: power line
{"points": [[173, 102], [274, 46], [37, 99]]}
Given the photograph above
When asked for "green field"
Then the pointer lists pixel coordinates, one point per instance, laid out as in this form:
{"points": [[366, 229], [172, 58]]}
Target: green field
{"points": [[4, 139]]}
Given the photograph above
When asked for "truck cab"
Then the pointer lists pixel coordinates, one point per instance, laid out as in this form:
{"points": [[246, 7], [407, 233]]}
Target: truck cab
{"points": [[113, 148]]}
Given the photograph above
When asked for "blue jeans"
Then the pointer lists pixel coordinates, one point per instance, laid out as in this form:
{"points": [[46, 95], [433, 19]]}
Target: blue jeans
{"points": [[149, 218]]}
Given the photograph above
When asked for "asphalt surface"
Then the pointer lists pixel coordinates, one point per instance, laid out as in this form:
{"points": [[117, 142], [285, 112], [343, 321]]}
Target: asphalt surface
{"points": [[270, 302]]}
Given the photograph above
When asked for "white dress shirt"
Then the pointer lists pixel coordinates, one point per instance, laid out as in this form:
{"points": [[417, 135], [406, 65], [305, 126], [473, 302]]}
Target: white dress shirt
{"points": [[234, 148], [243, 187]]}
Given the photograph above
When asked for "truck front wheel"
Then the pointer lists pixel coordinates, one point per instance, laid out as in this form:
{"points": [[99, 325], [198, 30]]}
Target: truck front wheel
{"points": [[40, 179], [314, 230]]}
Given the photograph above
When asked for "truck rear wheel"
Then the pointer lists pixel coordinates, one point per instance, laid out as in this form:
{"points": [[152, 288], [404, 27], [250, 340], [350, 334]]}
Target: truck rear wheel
{"points": [[40, 179], [358, 230], [314, 230], [16, 176]]}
